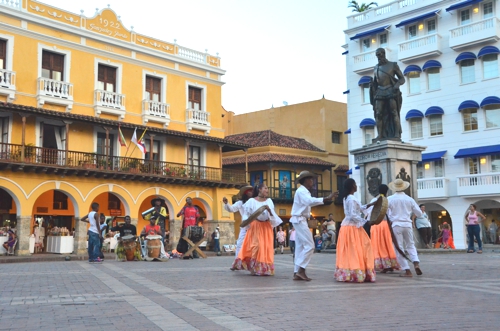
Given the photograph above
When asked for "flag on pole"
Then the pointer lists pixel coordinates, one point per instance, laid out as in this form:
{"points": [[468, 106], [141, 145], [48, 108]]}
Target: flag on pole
{"points": [[121, 138], [140, 143]]}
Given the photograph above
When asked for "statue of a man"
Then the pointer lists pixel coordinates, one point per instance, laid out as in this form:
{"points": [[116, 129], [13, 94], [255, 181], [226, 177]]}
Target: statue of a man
{"points": [[386, 97]]}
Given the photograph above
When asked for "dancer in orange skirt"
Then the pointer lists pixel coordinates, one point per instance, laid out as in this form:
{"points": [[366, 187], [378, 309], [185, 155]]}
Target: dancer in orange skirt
{"points": [[257, 252], [355, 262], [382, 246]]}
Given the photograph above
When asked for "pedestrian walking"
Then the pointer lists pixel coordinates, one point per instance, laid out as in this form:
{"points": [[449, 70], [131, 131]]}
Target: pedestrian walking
{"points": [[292, 241], [423, 226], [280, 237]]}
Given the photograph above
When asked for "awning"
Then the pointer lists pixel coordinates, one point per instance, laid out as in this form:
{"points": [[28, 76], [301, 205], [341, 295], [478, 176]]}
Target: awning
{"points": [[434, 110], [367, 122], [492, 100], [347, 131], [465, 56], [346, 92], [431, 64], [364, 80], [488, 50], [370, 32], [477, 151], [435, 156], [462, 4], [348, 172], [417, 18], [414, 113], [411, 68], [356, 167], [468, 104], [345, 53]]}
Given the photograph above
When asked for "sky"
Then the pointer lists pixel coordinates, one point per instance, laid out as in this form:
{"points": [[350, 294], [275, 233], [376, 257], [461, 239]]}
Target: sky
{"points": [[273, 51]]}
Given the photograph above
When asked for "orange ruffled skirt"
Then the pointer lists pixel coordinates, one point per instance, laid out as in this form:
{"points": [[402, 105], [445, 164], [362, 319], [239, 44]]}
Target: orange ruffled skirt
{"points": [[355, 261], [257, 253], [383, 248]]}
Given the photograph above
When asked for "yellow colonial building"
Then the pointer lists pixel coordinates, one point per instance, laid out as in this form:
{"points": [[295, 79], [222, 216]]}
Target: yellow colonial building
{"points": [[68, 85], [287, 140]]}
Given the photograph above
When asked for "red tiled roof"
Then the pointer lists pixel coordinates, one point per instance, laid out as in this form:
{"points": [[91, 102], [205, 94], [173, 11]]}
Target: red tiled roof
{"points": [[92, 119], [342, 167], [270, 138], [274, 157]]}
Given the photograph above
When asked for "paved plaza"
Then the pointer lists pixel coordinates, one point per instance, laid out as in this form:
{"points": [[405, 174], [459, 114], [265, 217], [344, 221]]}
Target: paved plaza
{"points": [[456, 292]]}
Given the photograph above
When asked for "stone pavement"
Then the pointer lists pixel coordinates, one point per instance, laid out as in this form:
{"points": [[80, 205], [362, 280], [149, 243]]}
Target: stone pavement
{"points": [[456, 292]]}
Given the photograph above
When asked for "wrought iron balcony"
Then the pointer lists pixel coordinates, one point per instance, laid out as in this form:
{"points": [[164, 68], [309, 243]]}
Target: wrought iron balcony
{"points": [[53, 161]]}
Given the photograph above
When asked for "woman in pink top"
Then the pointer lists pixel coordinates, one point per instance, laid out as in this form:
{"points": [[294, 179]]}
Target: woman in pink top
{"points": [[473, 229]]}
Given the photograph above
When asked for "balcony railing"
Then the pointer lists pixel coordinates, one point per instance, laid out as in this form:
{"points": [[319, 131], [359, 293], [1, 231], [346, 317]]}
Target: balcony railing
{"points": [[7, 79], [116, 165], [55, 88], [433, 188], [110, 99], [198, 119], [377, 13], [481, 184], [365, 62], [192, 55], [154, 111], [420, 47], [16, 4], [475, 33], [8, 84]]}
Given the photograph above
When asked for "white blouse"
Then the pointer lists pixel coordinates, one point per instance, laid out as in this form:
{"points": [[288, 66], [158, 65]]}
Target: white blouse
{"points": [[352, 211], [253, 204]]}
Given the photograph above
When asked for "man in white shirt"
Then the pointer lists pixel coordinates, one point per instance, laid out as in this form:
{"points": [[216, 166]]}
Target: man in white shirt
{"points": [[301, 210], [94, 233], [401, 206]]}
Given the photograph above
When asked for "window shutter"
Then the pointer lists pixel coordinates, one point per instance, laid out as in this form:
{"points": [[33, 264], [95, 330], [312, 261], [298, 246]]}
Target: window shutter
{"points": [[46, 60], [3, 51], [57, 62], [156, 82], [100, 73]]}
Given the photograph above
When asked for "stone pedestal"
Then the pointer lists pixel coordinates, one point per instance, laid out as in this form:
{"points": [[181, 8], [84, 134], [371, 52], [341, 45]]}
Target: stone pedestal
{"points": [[383, 162], [80, 242], [226, 229], [23, 234]]}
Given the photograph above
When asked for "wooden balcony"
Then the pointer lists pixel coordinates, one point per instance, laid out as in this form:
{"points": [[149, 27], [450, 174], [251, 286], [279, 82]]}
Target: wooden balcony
{"points": [[53, 161]]}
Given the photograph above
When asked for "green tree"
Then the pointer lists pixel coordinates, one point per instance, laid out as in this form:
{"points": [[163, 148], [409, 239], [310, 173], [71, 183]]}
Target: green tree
{"points": [[361, 7]]}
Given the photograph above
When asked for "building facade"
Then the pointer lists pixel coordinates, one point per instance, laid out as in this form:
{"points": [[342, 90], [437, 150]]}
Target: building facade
{"points": [[73, 92], [448, 53], [287, 140]]}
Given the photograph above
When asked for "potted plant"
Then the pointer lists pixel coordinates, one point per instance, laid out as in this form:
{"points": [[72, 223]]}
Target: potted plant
{"points": [[133, 165], [29, 152]]}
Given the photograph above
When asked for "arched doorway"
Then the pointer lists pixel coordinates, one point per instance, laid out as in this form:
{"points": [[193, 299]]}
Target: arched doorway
{"points": [[53, 215], [437, 216], [8, 209], [146, 204], [491, 210], [111, 205]]}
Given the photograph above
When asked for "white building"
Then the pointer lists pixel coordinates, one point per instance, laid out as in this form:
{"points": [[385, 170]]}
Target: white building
{"points": [[448, 51]]}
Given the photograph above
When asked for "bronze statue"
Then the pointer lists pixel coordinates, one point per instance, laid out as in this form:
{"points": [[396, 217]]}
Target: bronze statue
{"points": [[405, 177], [386, 97]]}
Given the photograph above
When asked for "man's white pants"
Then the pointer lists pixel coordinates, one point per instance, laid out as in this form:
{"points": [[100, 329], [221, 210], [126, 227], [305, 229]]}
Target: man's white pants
{"points": [[304, 245], [241, 239], [404, 237]]}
